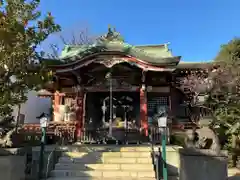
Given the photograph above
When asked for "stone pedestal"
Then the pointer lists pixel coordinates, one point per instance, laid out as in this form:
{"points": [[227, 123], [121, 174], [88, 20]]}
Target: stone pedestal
{"points": [[12, 165], [202, 165]]}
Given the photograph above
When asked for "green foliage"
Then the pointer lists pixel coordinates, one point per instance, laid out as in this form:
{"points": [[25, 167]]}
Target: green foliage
{"points": [[22, 29], [229, 52], [178, 139], [222, 92], [224, 97]]}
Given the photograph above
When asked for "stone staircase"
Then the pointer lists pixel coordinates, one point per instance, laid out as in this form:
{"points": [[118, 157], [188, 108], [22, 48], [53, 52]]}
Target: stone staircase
{"points": [[128, 163]]}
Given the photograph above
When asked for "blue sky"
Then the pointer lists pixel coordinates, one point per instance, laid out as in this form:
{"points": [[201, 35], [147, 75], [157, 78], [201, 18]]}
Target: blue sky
{"points": [[195, 29]]}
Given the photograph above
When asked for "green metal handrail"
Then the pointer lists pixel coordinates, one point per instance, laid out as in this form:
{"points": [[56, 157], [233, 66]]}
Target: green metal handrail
{"points": [[155, 157], [49, 160]]}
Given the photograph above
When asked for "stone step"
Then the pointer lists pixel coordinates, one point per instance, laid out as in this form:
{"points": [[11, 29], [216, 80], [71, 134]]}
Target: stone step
{"points": [[107, 154], [146, 148], [99, 178], [102, 174], [120, 167], [83, 160], [106, 160], [74, 154], [98, 157], [103, 178], [120, 160], [113, 148]]}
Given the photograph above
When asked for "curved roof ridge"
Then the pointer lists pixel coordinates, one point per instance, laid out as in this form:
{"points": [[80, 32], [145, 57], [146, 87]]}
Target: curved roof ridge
{"points": [[153, 45], [195, 62]]}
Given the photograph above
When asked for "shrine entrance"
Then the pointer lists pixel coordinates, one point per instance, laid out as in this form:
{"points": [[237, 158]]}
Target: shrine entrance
{"points": [[114, 114]]}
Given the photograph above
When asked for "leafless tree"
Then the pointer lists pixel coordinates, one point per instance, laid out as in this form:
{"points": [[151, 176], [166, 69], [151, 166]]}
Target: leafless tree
{"points": [[78, 38], [81, 37]]}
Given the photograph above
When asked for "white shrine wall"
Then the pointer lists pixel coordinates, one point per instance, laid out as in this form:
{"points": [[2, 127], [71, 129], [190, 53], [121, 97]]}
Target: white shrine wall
{"points": [[33, 107]]}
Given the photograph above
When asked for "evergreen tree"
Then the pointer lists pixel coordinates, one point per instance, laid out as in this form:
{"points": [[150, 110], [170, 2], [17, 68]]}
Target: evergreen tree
{"points": [[22, 30], [229, 52]]}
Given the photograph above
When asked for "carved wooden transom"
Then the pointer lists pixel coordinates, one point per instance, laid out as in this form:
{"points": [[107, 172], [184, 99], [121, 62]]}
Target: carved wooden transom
{"points": [[116, 83], [110, 62]]}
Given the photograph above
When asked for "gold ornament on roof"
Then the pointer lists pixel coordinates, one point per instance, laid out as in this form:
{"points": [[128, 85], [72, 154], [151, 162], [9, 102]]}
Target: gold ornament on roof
{"points": [[112, 35]]}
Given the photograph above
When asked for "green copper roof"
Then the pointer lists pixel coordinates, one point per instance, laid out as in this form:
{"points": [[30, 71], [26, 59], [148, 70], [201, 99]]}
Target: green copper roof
{"points": [[159, 54], [113, 42], [161, 50]]}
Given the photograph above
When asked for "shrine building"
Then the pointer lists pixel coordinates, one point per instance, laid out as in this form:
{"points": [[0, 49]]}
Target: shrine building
{"points": [[113, 89]]}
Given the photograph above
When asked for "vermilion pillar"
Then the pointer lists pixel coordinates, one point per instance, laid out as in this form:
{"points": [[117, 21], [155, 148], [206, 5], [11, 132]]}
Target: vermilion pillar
{"points": [[143, 106], [143, 111], [56, 103], [79, 114]]}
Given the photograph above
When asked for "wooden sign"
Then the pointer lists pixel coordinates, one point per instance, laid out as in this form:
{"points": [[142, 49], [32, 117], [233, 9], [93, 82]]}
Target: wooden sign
{"points": [[164, 89]]}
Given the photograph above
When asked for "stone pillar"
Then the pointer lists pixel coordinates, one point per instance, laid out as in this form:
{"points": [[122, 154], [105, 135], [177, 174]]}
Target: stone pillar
{"points": [[202, 164], [143, 106], [13, 163]]}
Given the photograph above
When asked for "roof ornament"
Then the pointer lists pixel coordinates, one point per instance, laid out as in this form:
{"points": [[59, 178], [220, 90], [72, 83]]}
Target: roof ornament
{"points": [[112, 35], [166, 45]]}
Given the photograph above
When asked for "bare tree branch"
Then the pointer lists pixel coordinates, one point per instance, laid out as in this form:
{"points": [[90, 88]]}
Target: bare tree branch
{"points": [[79, 38]]}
